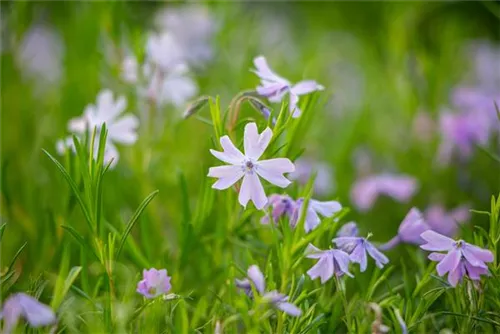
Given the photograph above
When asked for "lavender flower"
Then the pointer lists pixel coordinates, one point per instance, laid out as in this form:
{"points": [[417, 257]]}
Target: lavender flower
{"points": [[446, 223], [331, 261], [120, 129], [460, 260], [282, 205], [365, 191], [360, 246], [154, 283], [248, 167], [276, 299], [21, 305], [275, 87], [348, 230], [314, 210], [304, 169], [409, 231]]}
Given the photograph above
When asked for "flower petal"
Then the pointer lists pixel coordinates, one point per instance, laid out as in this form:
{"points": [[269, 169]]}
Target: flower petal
{"points": [[326, 209], [289, 309], [124, 129], [305, 87], [257, 278], [265, 72], [436, 256], [358, 255], [254, 143], [228, 175], [449, 263], [312, 252], [436, 241], [251, 189], [272, 170], [379, 257], [36, 313], [482, 255], [231, 154]]}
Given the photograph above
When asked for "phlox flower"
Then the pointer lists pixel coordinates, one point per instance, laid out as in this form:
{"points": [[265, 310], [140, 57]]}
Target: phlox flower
{"points": [[446, 223], [154, 283], [365, 191], [20, 305], [193, 28], [462, 259], [330, 262], [360, 246], [314, 210], [348, 230], [305, 168], [274, 298], [281, 205], [121, 128], [409, 231], [275, 87], [248, 166]]}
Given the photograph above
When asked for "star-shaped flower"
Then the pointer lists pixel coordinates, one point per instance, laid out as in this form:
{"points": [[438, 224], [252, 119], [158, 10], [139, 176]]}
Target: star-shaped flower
{"points": [[248, 166], [358, 247], [275, 87], [462, 258], [330, 262]]}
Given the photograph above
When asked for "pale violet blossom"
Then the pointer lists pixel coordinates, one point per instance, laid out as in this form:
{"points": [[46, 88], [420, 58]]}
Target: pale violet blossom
{"points": [[121, 128], [40, 54], [274, 298], [154, 283], [314, 210], [275, 88], [360, 246], [192, 27], [248, 166], [330, 262], [21, 305], [304, 170], [163, 78]]}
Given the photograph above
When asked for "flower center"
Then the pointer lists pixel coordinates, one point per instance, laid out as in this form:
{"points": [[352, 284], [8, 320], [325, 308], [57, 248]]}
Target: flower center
{"points": [[459, 244], [249, 166]]}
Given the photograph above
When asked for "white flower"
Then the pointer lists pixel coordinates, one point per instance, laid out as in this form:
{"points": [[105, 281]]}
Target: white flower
{"points": [[192, 28], [121, 129], [163, 51], [248, 166], [275, 87], [40, 54]]}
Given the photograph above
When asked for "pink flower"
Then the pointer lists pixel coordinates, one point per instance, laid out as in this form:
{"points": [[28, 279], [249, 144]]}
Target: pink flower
{"points": [[154, 283], [364, 193], [248, 167]]}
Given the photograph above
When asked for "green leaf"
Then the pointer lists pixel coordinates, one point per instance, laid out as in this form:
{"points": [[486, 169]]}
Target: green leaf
{"points": [[16, 256], [79, 239], [62, 291], [2, 229], [74, 188], [133, 220]]}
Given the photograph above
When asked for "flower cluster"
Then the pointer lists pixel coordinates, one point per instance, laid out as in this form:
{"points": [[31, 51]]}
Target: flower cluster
{"points": [[285, 206]]}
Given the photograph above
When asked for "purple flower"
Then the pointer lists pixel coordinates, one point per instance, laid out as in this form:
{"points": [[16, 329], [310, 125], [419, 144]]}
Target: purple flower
{"points": [[314, 210], [460, 133], [446, 223], [365, 191], [409, 231], [348, 230], [304, 169], [277, 300], [154, 283], [275, 87], [360, 246], [248, 166], [461, 258], [282, 205], [21, 305], [331, 261]]}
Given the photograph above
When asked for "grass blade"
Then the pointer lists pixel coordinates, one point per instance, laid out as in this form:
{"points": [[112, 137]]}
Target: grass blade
{"points": [[133, 220]]}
